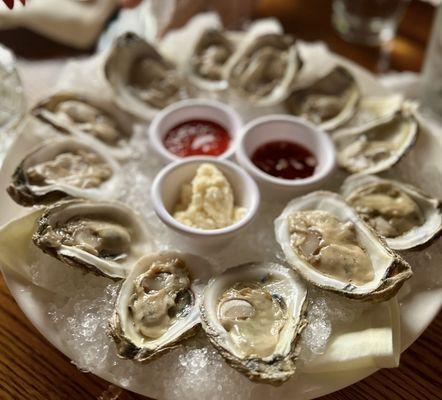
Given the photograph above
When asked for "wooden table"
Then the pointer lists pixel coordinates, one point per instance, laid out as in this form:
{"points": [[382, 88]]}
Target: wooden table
{"points": [[30, 368]]}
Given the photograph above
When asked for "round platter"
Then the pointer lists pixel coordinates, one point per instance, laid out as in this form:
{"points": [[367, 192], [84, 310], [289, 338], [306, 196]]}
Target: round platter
{"points": [[420, 300]]}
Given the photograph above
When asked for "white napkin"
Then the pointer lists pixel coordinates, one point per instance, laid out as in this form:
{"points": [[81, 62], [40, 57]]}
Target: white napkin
{"points": [[371, 341], [72, 22]]}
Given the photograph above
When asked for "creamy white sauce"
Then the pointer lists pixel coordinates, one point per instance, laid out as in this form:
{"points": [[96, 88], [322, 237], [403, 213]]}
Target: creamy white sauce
{"points": [[208, 201]]}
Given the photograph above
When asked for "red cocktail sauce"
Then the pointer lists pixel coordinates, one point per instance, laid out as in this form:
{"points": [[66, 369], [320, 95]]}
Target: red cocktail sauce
{"points": [[284, 159], [197, 138]]}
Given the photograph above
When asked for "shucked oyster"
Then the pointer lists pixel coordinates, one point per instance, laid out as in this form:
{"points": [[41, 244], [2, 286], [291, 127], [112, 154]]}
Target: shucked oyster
{"points": [[99, 236], [377, 146], [328, 102], [373, 110], [208, 60], [326, 241], [401, 213], [264, 68], [158, 304], [87, 116], [61, 168], [253, 314], [143, 82]]}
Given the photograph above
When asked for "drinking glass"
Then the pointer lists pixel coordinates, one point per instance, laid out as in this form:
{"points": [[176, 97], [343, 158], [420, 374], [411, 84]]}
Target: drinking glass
{"points": [[369, 22], [432, 73]]}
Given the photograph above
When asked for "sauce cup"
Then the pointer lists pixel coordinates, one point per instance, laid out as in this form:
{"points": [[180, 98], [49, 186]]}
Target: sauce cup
{"points": [[193, 109], [286, 128], [166, 190]]}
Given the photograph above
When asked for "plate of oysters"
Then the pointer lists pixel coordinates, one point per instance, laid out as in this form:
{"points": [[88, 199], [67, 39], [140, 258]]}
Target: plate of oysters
{"points": [[224, 215]]}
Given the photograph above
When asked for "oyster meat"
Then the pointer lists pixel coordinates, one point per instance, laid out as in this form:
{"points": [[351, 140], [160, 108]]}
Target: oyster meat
{"points": [[253, 314], [401, 213], [326, 241], [157, 305], [61, 168], [142, 81], [264, 68], [373, 110], [88, 116], [376, 146], [329, 102], [99, 236], [208, 60]]}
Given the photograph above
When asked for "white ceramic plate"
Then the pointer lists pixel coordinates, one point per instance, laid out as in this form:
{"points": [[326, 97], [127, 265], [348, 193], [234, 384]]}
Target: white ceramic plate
{"points": [[418, 306]]}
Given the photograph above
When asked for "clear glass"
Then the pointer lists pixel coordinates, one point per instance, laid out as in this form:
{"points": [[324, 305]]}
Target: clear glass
{"points": [[432, 74], [369, 22]]}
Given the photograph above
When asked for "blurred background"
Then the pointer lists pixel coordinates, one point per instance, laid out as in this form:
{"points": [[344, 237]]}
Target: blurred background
{"points": [[326, 20]]}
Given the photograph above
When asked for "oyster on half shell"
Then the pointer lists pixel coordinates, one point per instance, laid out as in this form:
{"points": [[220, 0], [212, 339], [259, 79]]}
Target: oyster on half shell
{"points": [[373, 110], [158, 304], [88, 116], [326, 241], [64, 167], [329, 102], [253, 314], [99, 236], [399, 212], [143, 82], [264, 68], [378, 145], [209, 59]]}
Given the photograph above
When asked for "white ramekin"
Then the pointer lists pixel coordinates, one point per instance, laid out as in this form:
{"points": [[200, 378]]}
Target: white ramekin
{"points": [[284, 127], [192, 109], [166, 190]]}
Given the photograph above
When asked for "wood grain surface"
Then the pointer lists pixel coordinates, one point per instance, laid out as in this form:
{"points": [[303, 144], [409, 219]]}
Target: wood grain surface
{"points": [[30, 368]]}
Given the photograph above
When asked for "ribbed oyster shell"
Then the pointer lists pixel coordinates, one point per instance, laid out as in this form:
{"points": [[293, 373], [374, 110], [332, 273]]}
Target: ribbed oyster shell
{"points": [[142, 81], [377, 145], [380, 282], [208, 60], [160, 297], [425, 216], [65, 167], [264, 68], [373, 110], [329, 102], [88, 116], [269, 283], [99, 236]]}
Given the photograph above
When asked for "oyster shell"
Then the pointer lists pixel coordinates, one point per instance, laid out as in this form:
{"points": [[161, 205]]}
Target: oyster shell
{"points": [[264, 68], [253, 314], [329, 102], [401, 213], [157, 305], [99, 236], [326, 241], [88, 116], [209, 59], [142, 81], [61, 168], [373, 110], [376, 146]]}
